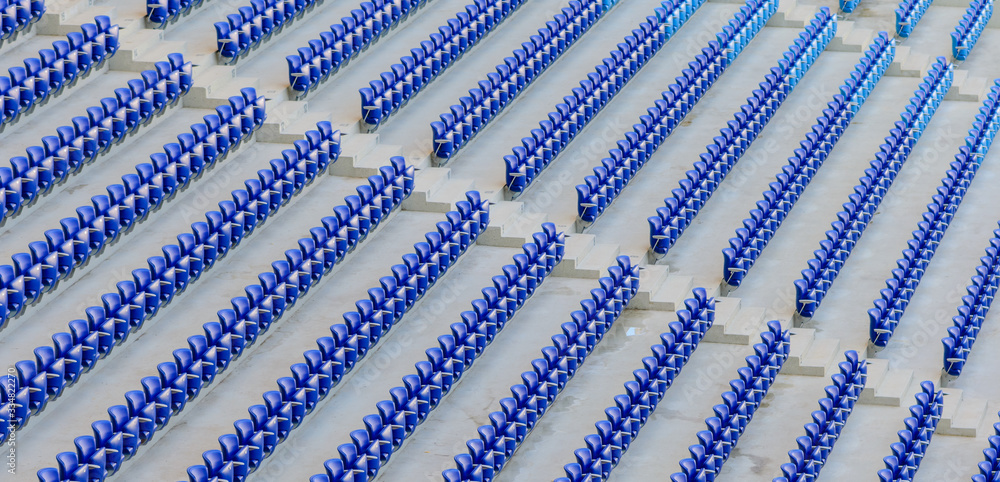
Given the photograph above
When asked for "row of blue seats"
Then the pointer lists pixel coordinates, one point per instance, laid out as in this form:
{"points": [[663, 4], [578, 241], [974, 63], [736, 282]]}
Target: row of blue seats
{"points": [[160, 13], [902, 465], [314, 64], [393, 89], [31, 177], [989, 469], [796, 175], [862, 204], [254, 24], [667, 113], [150, 408], [17, 16], [970, 28], [848, 6], [739, 404], [972, 312], [137, 300], [473, 113], [908, 14], [269, 424], [518, 415], [947, 199], [828, 422], [605, 448], [111, 216], [410, 405], [600, 87], [670, 221], [54, 69]]}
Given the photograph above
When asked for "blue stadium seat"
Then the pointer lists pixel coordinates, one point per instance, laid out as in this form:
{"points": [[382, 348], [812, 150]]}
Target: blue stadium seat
{"points": [[151, 408], [140, 298], [604, 449], [970, 28], [828, 422], [614, 173], [920, 250], [244, 30], [403, 81], [850, 224], [272, 421]]}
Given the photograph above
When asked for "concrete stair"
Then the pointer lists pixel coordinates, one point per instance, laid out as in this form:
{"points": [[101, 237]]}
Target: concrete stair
{"points": [[141, 48], [511, 227], [968, 88], [734, 323], [585, 258], [213, 84], [281, 118], [659, 290], [961, 416], [885, 386], [811, 356], [288, 120], [361, 155], [907, 63], [64, 16], [792, 15], [434, 190], [850, 38]]}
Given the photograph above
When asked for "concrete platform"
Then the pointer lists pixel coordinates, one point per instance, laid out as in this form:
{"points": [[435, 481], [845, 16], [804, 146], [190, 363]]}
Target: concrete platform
{"points": [[841, 323]]}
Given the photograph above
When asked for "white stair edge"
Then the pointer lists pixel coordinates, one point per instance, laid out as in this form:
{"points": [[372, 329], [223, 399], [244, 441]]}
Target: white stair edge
{"points": [[811, 356], [961, 416]]}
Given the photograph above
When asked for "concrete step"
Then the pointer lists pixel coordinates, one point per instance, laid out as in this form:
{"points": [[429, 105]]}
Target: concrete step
{"points": [[590, 263], [451, 192], [651, 278], [726, 310], [578, 246], [810, 356], [212, 84], [354, 148], [281, 116], [367, 165], [510, 226], [58, 12], [908, 63], [434, 190], [672, 292], [61, 18], [885, 386], [428, 181], [877, 369], [961, 416], [850, 38], [208, 79], [792, 15], [968, 88], [138, 45], [149, 57], [741, 327]]}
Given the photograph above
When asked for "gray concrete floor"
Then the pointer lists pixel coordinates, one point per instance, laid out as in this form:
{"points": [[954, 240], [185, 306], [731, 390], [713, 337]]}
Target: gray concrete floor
{"points": [[665, 438]]}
